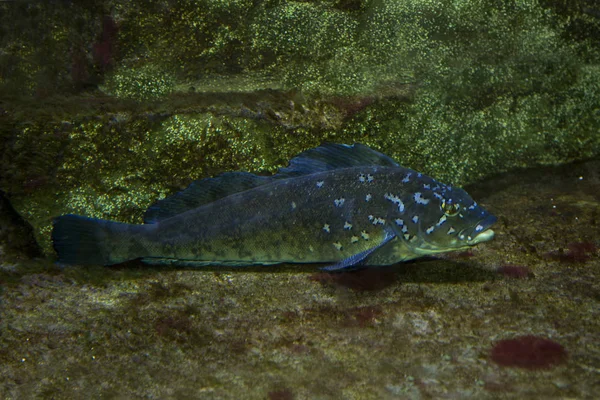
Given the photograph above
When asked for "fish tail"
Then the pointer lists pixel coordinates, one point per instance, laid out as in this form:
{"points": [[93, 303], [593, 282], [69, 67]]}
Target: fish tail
{"points": [[90, 241]]}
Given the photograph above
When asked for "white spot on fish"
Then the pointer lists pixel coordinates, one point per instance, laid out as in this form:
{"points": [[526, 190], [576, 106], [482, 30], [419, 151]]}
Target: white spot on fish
{"points": [[339, 202], [293, 205], [441, 220], [419, 175], [430, 229], [478, 228], [472, 206], [461, 237], [406, 236], [347, 225], [439, 196], [415, 219], [405, 228], [407, 178], [370, 178], [401, 206], [426, 186], [311, 249], [420, 199], [399, 222], [396, 200], [469, 238], [354, 239], [338, 245], [365, 235], [361, 178], [368, 197], [451, 230], [326, 228], [320, 184], [377, 221], [370, 217]]}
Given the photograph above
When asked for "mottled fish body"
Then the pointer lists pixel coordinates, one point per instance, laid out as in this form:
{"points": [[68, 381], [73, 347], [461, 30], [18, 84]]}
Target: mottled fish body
{"points": [[346, 205]]}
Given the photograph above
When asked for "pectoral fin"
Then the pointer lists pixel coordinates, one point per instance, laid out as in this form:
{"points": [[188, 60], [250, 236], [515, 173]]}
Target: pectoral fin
{"points": [[355, 260]]}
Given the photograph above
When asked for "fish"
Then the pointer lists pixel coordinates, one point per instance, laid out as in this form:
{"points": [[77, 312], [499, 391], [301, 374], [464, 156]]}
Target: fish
{"points": [[347, 206]]}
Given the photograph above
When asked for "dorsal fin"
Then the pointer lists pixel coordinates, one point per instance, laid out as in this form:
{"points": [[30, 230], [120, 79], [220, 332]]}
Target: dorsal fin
{"points": [[202, 192], [333, 156], [323, 158]]}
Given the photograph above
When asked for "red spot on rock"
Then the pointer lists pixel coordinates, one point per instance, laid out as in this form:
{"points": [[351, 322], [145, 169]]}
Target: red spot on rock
{"points": [[285, 394], [582, 251], [289, 315], [299, 349], [531, 352], [368, 279], [105, 48], [465, 254], [494, 386], [515, 271], [362, 316], [576, 252], [352, 105], [174, 327], [456, 255]]}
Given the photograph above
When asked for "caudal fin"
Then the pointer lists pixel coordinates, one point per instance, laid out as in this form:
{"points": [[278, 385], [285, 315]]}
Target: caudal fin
{"points": [[87, 241]]}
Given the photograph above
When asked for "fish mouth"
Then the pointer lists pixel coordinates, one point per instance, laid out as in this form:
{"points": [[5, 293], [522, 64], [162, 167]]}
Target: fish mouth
{"points": [[481, 232]]}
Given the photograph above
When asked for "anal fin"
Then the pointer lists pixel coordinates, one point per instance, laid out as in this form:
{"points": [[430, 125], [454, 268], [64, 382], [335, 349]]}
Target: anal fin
{"points": [[355, 260]]}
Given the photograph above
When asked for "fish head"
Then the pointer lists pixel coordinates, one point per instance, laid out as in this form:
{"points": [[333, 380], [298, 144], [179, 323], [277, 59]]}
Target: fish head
{"points": [[451, 221]]}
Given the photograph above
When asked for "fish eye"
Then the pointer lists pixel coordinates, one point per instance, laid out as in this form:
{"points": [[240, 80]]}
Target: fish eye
{"points": [[450, 209]]}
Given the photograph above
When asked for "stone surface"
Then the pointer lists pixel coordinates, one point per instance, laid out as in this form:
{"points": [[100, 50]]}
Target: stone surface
{"points": [[134, 331]]}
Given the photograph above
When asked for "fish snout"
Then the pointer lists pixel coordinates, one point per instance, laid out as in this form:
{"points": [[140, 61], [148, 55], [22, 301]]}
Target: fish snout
{"points": [[482, 231]]}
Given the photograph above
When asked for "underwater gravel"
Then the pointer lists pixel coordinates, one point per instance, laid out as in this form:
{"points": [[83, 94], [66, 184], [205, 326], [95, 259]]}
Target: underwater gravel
{"points": [[425, 329]]}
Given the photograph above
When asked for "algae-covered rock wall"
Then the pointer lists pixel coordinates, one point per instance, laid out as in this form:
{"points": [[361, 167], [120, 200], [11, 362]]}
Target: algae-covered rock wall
{"points": [[108, 106]]}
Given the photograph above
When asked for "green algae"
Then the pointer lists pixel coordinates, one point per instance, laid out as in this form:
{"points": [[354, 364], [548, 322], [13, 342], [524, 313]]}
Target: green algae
{"points": [[168, 93], [145, 83]]}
